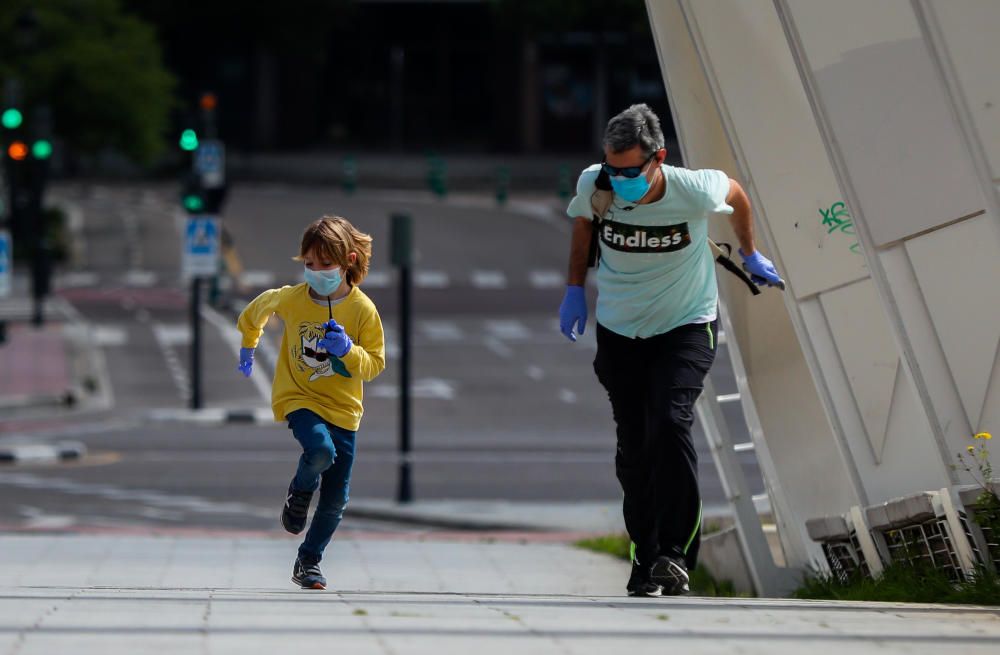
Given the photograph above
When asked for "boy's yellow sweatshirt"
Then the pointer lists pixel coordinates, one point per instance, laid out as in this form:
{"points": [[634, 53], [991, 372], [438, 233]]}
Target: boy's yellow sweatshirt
{"points": [[306, 379]]}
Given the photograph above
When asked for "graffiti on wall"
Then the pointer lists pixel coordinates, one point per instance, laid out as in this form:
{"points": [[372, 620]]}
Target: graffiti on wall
{"points": [[838, 219]]}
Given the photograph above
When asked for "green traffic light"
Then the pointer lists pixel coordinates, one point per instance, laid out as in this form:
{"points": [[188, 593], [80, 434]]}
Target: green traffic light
{"points": [[12, 119], [41, 149], [193, 203], [189, 140]]}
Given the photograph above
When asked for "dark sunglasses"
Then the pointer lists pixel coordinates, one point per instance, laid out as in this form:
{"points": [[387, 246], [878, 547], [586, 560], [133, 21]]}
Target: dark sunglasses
{"points": [[318, 356], [625, 171]]}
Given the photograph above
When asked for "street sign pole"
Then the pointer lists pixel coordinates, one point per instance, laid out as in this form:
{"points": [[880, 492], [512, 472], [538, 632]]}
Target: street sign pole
{"points": [[402, 248], [200, 259], [195, 342]]}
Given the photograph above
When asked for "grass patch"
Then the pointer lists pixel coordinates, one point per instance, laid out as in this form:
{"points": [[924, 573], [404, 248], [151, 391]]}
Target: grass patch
{"points": [[360, 612], [903, 583], [702, 583]]}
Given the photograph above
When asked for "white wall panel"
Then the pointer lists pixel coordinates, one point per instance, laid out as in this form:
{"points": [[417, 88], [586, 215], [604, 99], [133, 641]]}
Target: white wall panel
{"points": [[970, 30], [955, 272], [894, 126], [868, 353]]}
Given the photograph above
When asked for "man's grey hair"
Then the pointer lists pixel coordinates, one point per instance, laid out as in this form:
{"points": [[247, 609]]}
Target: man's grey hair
{"points": [[636, 126]]}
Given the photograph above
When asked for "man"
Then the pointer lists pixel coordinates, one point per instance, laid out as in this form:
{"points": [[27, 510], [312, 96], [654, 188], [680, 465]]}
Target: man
{"points": [[657, 301]]}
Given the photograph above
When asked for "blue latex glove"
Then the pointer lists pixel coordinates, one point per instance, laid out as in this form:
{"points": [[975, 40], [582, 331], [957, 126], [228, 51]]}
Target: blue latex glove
{"points": [[573, 311], [246, 362], [761, 270], [337, 343]]}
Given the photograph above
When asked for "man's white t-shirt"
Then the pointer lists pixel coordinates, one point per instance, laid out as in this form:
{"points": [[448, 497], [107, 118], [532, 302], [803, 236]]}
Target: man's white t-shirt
{"points": [[656, 271]]}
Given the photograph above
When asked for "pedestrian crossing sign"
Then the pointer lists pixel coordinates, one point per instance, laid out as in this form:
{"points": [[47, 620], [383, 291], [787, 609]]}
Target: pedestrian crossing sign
{"points": [[201, 246], [5, 263]]}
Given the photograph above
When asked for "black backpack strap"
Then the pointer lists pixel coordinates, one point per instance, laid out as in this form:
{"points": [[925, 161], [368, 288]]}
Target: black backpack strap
{"points": [[600, 201], [722, 252]]}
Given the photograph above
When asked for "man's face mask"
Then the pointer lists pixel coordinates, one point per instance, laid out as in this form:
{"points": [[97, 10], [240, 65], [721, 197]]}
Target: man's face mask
{"points": [[629, 182]]}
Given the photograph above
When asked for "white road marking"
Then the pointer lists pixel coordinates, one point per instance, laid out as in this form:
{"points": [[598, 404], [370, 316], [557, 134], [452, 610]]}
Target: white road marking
{"points": [[77, 279], [547, 279], [508, 329], [423, 388], [260, 377], [139, 278], [535, 373], [489, 280], [567, 396], [498, 347], [167, 336], [261, 279], [109, 335], [728, 398], [377, 280], [431, 279], [441, 330]]}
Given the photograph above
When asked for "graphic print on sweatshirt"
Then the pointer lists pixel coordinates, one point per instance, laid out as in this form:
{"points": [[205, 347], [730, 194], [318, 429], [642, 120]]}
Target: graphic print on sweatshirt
{"points": [[625, 237], [308, 356]]}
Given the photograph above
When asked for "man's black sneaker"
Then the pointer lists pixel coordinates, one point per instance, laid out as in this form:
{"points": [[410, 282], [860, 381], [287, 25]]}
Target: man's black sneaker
{"points": [[639, 583], [671, 575], [296, 510], [306, 573]]}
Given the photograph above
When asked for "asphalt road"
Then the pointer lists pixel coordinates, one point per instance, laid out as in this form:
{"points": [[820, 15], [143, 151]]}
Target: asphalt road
{"points": [[504, 408]]}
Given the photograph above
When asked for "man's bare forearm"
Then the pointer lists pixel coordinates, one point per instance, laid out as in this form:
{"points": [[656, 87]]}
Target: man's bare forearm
{"points": [[579, 251], [741, 218]]}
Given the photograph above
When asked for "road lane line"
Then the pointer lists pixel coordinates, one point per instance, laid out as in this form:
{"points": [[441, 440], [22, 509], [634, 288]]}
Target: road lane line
{"points": [[232, 337]]}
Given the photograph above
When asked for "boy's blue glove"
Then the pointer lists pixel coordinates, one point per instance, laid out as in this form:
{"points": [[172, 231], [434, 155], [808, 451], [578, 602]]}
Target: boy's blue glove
{"points": [[761, 270], [337, 343], [246, 362], [573, 311]]}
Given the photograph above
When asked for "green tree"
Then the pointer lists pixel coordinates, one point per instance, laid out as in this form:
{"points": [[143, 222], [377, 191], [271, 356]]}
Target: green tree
{"points": [[97, 67]]}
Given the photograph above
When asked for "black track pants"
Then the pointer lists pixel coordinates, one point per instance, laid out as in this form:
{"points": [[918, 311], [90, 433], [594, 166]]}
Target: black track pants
{"points": [[653, 384]]}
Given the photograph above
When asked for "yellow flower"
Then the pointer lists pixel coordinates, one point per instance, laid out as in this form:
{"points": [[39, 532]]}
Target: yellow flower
{"points": [[971, 449], [984, 435]]}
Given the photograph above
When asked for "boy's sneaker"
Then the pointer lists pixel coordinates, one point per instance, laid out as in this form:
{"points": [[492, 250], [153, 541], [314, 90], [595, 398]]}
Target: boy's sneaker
{"points": [[671, 574], [306, 573], [639, 583], [296, 510]]}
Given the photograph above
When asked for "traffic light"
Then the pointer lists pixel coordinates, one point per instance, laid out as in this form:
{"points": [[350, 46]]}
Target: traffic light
{"points": [[17, 150], [41, 149], [11, 118], [189, 140]]}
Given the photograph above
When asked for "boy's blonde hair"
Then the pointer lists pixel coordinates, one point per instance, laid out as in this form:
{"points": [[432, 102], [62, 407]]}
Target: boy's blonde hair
{"points": [[334, 238]]}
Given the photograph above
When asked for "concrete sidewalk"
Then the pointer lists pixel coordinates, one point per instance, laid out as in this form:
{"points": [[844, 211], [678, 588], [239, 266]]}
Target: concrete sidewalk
{"points": [[108, 595]]}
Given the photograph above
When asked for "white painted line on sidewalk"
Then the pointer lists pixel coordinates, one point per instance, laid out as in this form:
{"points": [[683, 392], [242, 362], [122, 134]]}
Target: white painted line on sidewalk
{"points": [[489, 279], [431, 279], [547, 279], [441, 330], [260, 377]]}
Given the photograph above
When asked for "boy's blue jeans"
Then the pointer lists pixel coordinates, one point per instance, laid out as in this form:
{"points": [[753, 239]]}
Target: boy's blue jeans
{"points": [[326, 461]]}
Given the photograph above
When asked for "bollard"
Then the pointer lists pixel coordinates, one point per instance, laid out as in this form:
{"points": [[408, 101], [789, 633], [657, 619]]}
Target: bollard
{"points": [[503, 184], [402, 257], [564, 182], [437, 175], [350, 179]]}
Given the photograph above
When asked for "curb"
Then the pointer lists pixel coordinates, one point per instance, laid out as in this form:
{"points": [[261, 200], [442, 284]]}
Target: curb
{"points": [[62, 451], [420, 518]]}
